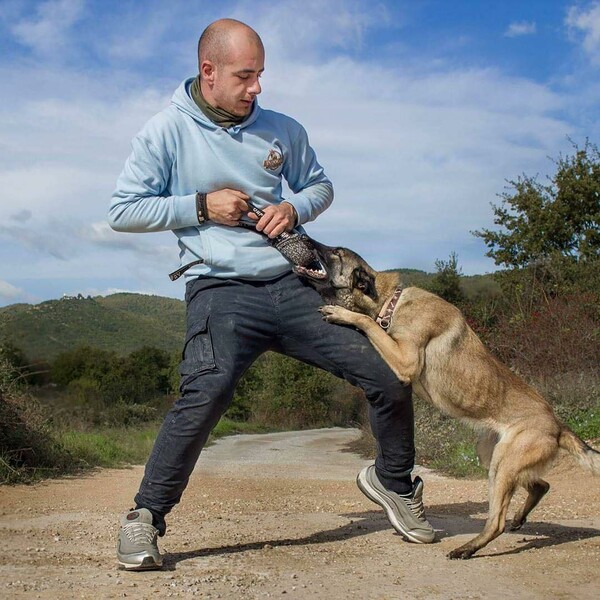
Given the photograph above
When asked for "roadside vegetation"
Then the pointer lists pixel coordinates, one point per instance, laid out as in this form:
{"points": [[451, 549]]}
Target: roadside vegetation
{"points": [[540, 314]]}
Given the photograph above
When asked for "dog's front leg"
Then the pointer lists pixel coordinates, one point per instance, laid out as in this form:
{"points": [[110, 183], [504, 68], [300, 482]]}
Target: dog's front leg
{"points": [[401, 354], [342, 316]]}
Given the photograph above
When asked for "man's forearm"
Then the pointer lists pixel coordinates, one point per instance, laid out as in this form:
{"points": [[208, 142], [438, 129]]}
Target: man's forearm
{"points": [[312, 201]]}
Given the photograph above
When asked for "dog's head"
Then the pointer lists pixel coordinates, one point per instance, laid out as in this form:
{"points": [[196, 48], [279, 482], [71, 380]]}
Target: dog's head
{"points": [[344, 278]]}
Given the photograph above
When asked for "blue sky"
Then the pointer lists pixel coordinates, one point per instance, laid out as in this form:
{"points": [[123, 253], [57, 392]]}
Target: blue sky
{"points": [[419, 111]]}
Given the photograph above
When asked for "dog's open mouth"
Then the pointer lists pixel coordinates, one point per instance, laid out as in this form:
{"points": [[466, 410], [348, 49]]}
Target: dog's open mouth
{"points": [[314, 270], [303, 253]]}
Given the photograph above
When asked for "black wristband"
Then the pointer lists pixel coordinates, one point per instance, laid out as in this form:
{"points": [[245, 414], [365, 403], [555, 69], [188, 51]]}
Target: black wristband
{"points": [[201, 207]]}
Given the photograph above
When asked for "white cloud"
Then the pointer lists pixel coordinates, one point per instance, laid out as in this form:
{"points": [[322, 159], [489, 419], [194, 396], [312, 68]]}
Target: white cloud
{"points": [[9, 292], [584, 23], [292, 30], [46, 33], [417, 150], [520, 28], [21, 216]]}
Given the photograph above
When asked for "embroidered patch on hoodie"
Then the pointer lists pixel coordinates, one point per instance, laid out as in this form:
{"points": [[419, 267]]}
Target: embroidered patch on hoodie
{"points": [[273, 161]]}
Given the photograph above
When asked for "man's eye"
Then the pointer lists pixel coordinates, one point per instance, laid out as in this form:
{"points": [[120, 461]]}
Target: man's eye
{"points": [[243, 76]]}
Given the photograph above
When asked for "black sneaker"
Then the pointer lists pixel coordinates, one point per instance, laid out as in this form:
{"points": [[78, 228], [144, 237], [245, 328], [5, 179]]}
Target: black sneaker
{"points": [[406, 513]]}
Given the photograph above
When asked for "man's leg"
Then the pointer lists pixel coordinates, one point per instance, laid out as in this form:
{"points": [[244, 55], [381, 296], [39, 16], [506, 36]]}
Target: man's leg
{"points": [[347, 353], [229, 324]]}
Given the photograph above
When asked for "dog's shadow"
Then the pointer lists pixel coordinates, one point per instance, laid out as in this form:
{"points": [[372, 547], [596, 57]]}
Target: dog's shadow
{"points": [[448, 520], [451, 520]]}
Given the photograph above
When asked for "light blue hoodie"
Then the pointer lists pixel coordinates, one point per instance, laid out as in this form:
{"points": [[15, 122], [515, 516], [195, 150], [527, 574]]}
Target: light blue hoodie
{"points": [[180, 151]]}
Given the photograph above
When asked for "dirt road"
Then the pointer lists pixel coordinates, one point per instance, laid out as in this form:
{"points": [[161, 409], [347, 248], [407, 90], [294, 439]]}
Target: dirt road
{"points": [[279, 516]]}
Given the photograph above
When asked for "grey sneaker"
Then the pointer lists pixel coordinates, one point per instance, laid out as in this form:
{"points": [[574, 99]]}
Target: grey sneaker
{"points": [[137, 549], [406, 513]]}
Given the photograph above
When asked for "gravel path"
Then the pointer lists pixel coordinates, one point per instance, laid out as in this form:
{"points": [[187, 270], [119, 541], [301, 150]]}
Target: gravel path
{"points": [[279, 516]]}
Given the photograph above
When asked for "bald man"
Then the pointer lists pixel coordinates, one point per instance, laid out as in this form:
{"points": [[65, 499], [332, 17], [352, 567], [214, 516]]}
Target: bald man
{"points": [[193, 170]]}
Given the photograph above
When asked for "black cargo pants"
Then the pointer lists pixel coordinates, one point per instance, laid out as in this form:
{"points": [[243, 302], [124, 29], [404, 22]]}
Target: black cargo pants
{"points": [[232, 322]]}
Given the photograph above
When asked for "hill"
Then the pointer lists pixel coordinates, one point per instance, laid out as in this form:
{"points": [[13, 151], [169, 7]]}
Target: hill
{"points": [[121, 322], [125, 322], [471, 285]]}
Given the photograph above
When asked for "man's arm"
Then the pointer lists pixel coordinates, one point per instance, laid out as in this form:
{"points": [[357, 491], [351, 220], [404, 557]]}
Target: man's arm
{"points": [[140, 205], [313, 191]]}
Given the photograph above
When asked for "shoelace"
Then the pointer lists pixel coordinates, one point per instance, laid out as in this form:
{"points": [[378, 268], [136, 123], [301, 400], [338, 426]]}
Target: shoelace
{"points": [[417, 508], [140, 533]]}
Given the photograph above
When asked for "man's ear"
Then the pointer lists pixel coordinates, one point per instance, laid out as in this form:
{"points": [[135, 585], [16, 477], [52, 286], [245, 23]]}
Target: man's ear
{"points": [[207, 71]]}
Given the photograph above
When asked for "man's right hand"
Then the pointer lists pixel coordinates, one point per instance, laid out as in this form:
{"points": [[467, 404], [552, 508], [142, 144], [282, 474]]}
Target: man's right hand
{"points": [[226, 206]]}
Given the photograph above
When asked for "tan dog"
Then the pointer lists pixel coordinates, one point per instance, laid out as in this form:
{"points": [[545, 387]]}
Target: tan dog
{"points": [[429, 344]]}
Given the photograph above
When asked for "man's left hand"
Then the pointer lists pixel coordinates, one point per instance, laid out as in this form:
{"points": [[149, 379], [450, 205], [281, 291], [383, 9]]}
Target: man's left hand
{"points": [[277, 219]]}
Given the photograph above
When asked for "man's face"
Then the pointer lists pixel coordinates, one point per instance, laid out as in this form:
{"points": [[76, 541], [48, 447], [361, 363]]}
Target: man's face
{"points": [[235, 83]]}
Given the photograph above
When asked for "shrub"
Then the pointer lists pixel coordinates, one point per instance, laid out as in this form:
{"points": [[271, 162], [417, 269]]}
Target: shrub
{"points": [[27, 448], [284, 393], [561, 336]]}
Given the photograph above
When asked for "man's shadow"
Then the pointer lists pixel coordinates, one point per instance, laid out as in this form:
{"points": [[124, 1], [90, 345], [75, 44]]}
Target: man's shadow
{"points": [[448, 520]]}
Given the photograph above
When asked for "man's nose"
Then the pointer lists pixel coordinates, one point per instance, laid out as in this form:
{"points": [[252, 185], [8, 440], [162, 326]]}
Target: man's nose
{"points": [[255, 87]]}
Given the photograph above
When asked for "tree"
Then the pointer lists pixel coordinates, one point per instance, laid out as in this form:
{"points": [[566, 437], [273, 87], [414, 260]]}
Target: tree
{"points": [[558, 220], [446, 281], [85, 360]]}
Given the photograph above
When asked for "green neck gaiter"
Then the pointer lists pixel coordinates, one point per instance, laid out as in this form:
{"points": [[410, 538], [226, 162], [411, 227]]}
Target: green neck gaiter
{"points": [[216, 115]]}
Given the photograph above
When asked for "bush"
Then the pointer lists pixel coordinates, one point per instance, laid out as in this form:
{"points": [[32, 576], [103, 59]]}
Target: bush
{"points": [[106, 377], [27, 448], [446, 283], [284, 393], [560, 336]]}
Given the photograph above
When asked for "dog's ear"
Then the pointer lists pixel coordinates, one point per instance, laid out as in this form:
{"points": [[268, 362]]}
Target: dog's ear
{"points": [[361, 280]]}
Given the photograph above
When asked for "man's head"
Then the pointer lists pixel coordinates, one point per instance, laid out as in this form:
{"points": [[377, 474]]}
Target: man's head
{"points": [[231, 58]]}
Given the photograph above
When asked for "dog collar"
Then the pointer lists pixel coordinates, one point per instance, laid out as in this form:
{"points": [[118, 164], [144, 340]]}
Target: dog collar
{"points": [[384, 318]]}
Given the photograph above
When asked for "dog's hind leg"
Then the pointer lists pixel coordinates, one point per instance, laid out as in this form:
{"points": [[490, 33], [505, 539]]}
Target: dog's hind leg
{"points": [[536, 491], [485, 447], [503, 480], [502, 485], [518, 458], [538, 451]]}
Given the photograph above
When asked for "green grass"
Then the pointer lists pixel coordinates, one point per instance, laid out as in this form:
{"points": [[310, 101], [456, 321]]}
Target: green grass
{"points": [[586, 424], [460, 461], [122, 446], [109, 447]]}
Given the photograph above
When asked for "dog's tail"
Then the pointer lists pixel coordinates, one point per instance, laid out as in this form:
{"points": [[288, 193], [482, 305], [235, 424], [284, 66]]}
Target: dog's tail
{"points": [[587, 457]]}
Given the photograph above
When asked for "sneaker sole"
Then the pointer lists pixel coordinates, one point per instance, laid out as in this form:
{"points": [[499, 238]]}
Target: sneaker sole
{"points": [[372, 494], [146, 564]]}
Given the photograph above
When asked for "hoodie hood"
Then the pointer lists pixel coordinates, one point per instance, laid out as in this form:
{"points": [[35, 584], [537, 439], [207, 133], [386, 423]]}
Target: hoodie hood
{"points": [[183, 101]]}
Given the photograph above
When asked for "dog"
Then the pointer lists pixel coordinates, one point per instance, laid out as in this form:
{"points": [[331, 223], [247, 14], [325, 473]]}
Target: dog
{"points": [[427, 342]]}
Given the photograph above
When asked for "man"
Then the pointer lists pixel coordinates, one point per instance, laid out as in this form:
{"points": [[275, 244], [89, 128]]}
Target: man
{"points": [[194, 169]]}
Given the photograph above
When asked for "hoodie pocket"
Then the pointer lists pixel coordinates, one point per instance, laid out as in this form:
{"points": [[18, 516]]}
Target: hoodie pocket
{"points": [[198, 354]]}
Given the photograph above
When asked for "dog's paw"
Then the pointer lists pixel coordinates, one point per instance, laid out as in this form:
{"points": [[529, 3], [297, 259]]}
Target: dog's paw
{"points": [[337, 314], [461, 553], [516, 524]]}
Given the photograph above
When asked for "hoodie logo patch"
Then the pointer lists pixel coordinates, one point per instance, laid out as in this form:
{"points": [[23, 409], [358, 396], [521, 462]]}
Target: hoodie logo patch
{"points": [[273, 161]]}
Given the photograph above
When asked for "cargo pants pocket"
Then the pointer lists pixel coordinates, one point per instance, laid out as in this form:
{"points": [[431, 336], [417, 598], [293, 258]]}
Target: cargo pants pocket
{"points": [[198, 353]]}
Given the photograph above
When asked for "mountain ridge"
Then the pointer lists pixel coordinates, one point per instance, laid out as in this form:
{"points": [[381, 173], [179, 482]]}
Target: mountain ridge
{"points": [[126, 321]]}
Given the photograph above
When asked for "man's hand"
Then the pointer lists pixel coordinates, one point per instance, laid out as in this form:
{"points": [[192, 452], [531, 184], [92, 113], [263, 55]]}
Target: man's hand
{"points": [[226, 206], [277, 219]]}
